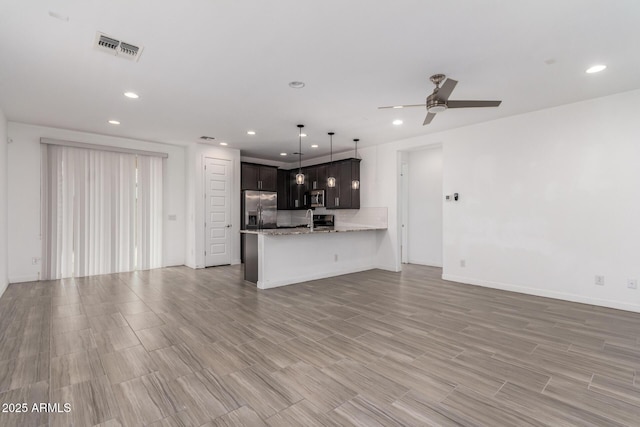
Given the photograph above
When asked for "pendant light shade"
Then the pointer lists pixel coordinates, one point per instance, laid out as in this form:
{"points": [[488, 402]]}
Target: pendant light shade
{"points": [[331, 181], [355, 184], [300, 175]]}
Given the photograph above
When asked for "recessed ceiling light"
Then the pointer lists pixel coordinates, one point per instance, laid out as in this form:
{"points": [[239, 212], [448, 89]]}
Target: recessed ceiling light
{"points": [[596, 69], [296, 85], [397, 122], [283, 154], [314, 146], [303, 135], [224, 143], [398, 106], [251, 132], [114, 122], [131, 95]]}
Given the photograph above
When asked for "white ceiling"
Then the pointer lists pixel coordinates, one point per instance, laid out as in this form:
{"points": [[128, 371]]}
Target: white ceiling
{"points": [[222, 67]]}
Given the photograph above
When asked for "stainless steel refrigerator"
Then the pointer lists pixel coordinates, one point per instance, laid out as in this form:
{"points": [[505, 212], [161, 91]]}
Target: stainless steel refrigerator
{"points": [[259, 209]]}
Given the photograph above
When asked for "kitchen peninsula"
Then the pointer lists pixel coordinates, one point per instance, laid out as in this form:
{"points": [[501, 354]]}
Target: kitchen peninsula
{"points": [[284, 256]]}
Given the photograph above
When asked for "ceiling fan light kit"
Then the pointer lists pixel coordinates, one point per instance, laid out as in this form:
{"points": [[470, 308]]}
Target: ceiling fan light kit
{"points": [[439, 102], [437, 107]]}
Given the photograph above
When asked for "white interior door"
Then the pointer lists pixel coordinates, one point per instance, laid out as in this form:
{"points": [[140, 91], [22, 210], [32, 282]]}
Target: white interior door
{"points": [[217, 175]]}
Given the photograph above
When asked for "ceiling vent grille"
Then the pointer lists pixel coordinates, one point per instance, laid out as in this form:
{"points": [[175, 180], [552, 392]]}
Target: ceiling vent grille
{"points": [[116, 47]]}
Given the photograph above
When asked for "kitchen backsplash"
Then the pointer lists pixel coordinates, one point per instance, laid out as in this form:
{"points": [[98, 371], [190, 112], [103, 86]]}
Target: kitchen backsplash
{"points": [[363, 217]]}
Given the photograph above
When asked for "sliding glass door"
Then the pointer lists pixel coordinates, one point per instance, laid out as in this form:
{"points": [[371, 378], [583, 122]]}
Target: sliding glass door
{"points": [[102, 212]]}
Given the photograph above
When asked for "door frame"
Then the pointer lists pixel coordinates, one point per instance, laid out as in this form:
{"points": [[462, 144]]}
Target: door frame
{"points": [[404, 212], [231, 176]]}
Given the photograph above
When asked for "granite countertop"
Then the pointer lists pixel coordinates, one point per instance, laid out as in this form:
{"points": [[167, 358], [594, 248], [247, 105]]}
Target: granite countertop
{"points": [[292, 231]]}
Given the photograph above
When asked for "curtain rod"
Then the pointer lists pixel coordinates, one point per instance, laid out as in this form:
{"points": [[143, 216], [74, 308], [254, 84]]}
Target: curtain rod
{"points": [[101, 147]]}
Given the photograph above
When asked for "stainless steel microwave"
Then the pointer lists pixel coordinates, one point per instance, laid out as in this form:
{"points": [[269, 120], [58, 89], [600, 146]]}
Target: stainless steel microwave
{"points": [[316, 198]]}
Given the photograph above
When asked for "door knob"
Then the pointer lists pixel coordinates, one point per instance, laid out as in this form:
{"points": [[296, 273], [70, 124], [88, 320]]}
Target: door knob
{"points": [[228, 225]]}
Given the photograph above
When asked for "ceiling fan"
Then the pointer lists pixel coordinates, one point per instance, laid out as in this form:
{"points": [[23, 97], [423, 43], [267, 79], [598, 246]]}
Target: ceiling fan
{"points": [[438, 101]]}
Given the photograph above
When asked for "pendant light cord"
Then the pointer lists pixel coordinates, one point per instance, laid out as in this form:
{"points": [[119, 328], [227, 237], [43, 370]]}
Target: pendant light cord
{"points": [[331, 147], [300, 148]]}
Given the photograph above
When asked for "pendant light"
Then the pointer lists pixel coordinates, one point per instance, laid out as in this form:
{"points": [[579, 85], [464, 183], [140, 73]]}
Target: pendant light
{"points": [[355, 184], [300, 175], [331, 181]]}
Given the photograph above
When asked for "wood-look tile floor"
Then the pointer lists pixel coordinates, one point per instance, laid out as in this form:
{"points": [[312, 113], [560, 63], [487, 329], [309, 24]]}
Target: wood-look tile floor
{"points": [[182, 347]]}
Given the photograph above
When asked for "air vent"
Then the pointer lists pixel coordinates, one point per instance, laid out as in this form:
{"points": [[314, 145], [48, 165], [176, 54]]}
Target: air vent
{"points": [[207, 138], [107, 42], [116, 47]]}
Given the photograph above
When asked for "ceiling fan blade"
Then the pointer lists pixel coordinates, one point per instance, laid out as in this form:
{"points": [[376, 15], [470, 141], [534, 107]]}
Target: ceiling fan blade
{"points": [[447, 87], [468, 104], [403, 106], [428, 119]]}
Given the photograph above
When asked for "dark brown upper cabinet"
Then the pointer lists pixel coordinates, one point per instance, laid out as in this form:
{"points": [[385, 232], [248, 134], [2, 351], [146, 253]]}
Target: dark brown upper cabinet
{"points": [[284, 188], [343, 196], [297, 193], [259, 177], [293, 196], [320, 176]]}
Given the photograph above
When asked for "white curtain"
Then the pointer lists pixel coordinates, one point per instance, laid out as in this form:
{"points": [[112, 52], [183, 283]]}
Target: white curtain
{"points": [[149, 207], [91, 215]]}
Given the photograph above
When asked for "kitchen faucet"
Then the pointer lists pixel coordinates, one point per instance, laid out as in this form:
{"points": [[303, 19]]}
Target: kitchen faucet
{"points": [[309, 215]]}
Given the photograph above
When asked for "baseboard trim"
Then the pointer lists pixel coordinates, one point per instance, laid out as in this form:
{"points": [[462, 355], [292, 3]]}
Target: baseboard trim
{"points": [[23, 279], [315, 276], [387, 268], [543, 293], [3, 286], [426, 263]]}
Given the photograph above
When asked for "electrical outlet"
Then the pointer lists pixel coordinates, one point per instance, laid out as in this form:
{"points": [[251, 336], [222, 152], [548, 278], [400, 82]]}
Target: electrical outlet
{"points": [[599, 280], [35, 260], [632, 284], [463, 263]]}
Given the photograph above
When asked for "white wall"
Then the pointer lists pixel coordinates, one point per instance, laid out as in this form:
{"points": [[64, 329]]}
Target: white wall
{"points": [[24, 194], [547, 200], [4, 244], [194, 164], [380, 187], [424, 228], [285, 260]]}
